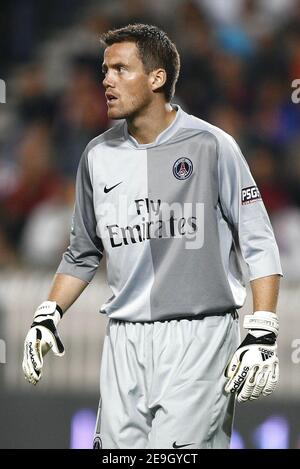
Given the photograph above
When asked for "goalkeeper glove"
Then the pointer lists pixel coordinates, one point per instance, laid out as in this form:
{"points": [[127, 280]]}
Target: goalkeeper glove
{"points": [[253, 370], [42, 336]]}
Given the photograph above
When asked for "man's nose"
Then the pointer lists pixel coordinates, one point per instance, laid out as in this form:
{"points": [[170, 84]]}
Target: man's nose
{"points": [[108, 81]]}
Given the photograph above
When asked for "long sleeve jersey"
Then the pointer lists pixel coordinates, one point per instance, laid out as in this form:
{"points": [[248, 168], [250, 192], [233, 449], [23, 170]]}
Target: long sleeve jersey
{"points": [[174, 218]]}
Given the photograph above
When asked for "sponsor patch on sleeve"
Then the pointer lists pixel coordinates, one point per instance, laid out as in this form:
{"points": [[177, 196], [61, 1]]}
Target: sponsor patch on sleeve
{"points": [[250, 194]]}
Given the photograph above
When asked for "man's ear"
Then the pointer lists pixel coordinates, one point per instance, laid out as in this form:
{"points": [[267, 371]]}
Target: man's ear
{"points": [[158, 78]]}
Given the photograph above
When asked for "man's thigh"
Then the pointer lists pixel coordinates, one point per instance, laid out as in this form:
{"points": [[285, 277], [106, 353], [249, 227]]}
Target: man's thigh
{"points": [[198, 415], [123, 419], [190, 408]]}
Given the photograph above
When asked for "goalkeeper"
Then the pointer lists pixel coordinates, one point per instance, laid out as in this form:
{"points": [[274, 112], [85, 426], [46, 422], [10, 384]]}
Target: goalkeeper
{"points": [[172, 363]]}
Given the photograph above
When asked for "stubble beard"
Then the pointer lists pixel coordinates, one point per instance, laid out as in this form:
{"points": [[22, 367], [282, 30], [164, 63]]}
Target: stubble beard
{"points": [[135, 108]]}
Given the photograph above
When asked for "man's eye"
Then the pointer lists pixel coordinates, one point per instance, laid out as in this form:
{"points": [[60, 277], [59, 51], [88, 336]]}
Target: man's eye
{"points": [[121, 68]]}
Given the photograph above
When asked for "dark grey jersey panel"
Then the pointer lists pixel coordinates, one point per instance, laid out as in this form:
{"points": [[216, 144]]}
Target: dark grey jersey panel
{"points": [[189, 276], [85, 251]]}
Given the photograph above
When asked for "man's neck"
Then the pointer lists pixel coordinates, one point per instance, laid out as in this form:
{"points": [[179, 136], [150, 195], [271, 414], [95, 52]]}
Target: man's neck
{"points": [[149, 124]]}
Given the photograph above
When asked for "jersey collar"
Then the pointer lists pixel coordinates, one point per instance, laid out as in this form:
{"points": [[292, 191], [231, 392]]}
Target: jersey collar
{"points": [[162, 137]]}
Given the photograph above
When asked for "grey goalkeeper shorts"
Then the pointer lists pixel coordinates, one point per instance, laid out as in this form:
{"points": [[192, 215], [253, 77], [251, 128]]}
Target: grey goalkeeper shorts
{"points": [[162, 384]]}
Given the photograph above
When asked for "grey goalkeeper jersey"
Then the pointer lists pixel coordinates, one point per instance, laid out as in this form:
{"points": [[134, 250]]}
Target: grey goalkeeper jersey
{"points": [[173, 217]]}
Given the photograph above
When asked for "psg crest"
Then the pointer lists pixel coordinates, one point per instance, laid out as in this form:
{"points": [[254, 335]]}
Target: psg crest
{"points": [[182, 168]]}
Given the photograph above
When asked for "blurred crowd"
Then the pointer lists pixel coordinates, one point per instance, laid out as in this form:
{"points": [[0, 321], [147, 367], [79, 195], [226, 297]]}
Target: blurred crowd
{"points": [[239, 58]]}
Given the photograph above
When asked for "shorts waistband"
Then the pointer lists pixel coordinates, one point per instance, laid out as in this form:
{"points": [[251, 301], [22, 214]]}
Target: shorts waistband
{"points": [[200, 316]]}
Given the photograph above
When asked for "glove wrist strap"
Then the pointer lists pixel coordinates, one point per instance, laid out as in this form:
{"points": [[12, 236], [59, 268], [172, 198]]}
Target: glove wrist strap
{"points": [[48, 310], [262, 320]]}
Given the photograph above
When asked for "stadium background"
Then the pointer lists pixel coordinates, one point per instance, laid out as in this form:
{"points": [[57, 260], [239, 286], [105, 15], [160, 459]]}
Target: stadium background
{"points": [[239, 59]]}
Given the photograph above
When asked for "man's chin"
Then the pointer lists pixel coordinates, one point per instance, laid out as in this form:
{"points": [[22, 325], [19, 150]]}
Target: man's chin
{"points": [[114, 115]]}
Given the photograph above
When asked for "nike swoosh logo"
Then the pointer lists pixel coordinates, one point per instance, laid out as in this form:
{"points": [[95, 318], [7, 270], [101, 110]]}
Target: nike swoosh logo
{"points": [[181, 446], [108, 189]]}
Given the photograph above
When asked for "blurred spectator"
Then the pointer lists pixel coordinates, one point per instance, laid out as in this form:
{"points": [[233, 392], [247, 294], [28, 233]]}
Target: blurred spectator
{"points": [[82, 114], [229, 74], [24, 22], [8, 255], [34, 101], [46, 233], [266, 173], [286, 224], [228, 118], [195, 40], [291, 168], [36, 181], [231, 11], [275, 119]]}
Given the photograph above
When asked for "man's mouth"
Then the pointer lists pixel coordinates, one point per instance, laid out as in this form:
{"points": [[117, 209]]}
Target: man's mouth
{"points": [[110, 98]]}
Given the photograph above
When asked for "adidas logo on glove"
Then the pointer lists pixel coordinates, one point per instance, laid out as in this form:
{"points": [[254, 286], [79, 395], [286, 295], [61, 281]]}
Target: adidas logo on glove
{"points": [[253, 370]]}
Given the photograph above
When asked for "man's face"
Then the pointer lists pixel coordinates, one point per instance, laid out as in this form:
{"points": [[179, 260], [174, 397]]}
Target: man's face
{"points": [[127, 86]]}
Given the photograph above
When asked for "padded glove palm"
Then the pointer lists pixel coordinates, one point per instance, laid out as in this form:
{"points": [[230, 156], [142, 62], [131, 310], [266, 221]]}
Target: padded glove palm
{"points": [[253, 370], [42, 337]]}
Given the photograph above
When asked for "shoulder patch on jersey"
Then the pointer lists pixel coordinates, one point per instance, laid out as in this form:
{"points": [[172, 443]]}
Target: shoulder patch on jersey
{"points": [[182, 168], [250, 194]]}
